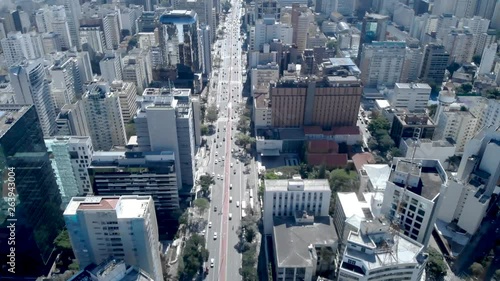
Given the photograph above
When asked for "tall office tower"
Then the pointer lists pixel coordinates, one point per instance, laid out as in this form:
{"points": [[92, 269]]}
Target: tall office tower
{"points": [[346, 7], [267, 9], [128, 221], [147, 22], [485, 8], [60, 26], [123, 173], [70, 158], [63, 80], [7, 21], [43, 20], [36, 42], [21, 20], [205, 39], [30, 86], [83, 70], [128, 16], [36, 194], [488, 59], [72, 121], [466, 201], [111, 26], [181, 40], [16, 47], [461, 45], [104, 117], [127, 93], [203, 10], [424, 180], [136, 68], [92, 40], [434, 63], [302, 26], [329, 101], [284, 197], [173, 107], [374, 28], [111, 67], [465, 8], [381, 63], [73, 15]]}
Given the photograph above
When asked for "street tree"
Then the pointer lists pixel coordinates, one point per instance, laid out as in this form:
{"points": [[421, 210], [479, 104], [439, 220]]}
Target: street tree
{"points": [[244, 124], [201, 205], [244, 140], [204, 130], [194, 255], [205, 181], [343, 181], [212, 113], [436, 266]]}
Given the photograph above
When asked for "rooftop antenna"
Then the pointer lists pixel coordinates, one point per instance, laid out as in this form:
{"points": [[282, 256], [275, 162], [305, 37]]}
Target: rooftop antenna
{"points": [[396, 222]]}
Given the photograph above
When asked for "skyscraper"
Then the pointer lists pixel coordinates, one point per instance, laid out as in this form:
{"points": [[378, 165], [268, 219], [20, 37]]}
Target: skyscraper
{"points": [[181, 41], [111, 26], [37, 199], [129, 222], [72, 121], [175, 108], [104, 116], [30, 86], [434, 63]]}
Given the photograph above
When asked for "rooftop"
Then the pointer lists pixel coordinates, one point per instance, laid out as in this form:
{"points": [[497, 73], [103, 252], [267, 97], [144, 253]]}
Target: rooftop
{"points": [[430, 173], [292, 240], [128, 206], [412, 86], [378, 174], [383, 250], [110, 268], [354, 205], [9, 114], [304, 184]]}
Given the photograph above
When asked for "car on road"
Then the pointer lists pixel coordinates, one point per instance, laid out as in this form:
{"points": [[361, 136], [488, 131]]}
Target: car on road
{"points": [[237, 204], [231, 165], [218, 176], [230, 216], [215, 235], [203, 232], [213, 174], [215, 208], [215, 161], [212, 261], [209, 224], [231, 185], [230, 199], [234, 172]]}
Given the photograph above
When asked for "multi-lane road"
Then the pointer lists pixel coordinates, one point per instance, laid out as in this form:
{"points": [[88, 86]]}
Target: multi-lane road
{"points": [[224, 163]]}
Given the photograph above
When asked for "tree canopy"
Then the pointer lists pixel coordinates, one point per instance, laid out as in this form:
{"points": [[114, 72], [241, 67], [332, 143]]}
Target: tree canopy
{"points": [[201, 205], [436, 266], [194, 255], [212, 114]]}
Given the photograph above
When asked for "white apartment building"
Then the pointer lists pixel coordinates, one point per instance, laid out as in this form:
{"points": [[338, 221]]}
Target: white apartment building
{"points": [[60, 26], [381, 63], [92, 39], [70, 158], [284, 197], [485, 39], [262, 75], [104, 117], [127, 93], [63, 81], [424, 180], [51, 43], [302, 30], [488, 112], [412, 65], [124, 227], [111, 67], [72, 121], [30, 85], [465, 201], [457, 123], [488, 59], [475, 25], [136, 68], [373, 252], [16, 47], [265, 30], [460, 44], [73, 16], [43, 20], [262, 111], [465, 8], [414, 96], [111, 26]]}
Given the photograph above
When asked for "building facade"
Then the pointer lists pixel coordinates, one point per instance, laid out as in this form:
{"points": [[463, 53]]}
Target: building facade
{"points": [[381, 63], [128, 222]]}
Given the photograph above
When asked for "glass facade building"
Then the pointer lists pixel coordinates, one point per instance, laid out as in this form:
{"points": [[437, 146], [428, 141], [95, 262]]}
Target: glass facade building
{"points": [[37, 215]]}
